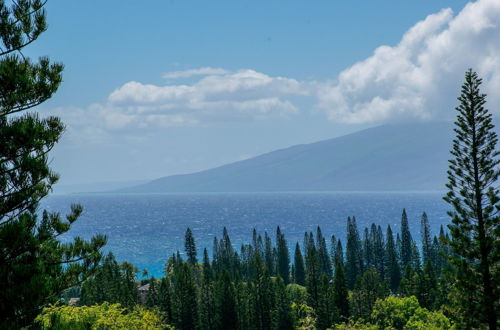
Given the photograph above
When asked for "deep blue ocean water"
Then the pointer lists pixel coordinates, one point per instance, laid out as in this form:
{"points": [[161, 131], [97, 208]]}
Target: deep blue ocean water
{"points": [[146, 229]]}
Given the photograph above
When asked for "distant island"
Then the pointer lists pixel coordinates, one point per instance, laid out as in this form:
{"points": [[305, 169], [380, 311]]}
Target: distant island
{"points": [[398, 157]]}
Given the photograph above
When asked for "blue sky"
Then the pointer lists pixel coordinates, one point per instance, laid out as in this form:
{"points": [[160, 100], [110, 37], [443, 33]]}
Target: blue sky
{"points": [[157, 88]]}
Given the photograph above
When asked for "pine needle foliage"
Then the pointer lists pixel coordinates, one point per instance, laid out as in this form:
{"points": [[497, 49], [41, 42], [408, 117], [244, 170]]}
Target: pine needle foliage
{"points": [[474, 196], [35, 265]]}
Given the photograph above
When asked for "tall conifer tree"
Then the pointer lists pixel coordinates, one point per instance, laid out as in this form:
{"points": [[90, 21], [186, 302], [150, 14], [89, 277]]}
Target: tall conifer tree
{"points": [[338, 255], [392, 264], [378, 250], [474, 195], [298, 262], [35, 265], [282, 313], [283, 256], [427, 246], [313, 276], [269, 255], [406, 241], [225, 302], [354, 253], [340, 293], [190, 246], [324, 258]]}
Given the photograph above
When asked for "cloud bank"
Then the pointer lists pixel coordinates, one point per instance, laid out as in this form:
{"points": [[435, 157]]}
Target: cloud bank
{"points": [[420, 77]]}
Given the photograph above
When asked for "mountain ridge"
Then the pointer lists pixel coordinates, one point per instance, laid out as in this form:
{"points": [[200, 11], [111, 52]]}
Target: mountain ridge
{"points": [[388, 157]]}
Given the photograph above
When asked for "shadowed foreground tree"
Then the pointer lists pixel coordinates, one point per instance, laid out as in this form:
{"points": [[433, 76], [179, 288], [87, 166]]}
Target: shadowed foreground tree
{"points": [[474, 195], [35, 266]]}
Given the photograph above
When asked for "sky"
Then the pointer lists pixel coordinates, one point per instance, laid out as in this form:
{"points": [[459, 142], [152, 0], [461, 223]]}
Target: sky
{"points": [[156, 88]]}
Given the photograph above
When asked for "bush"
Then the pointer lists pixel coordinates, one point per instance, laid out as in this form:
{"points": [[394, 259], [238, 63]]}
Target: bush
{"points": [[104, 316], [425, 320], [394, 312]]}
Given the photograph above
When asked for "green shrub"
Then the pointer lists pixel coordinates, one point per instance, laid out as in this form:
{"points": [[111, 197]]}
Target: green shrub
{"points": [[104, 316]]}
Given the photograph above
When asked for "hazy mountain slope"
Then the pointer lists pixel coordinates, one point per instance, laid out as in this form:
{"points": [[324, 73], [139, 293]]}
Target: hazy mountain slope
{"points": [[389, 157]]}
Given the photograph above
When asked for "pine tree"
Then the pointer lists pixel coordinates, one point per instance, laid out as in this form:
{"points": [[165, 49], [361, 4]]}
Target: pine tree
{"points": [[354, 253], [269, 255], [313, 276], [474, 195], [333, 247], [306, 244], [282, 318], [283, 256], [325, 309], [111, 282], [340, 293], [152, 295], [392, 264], [190, 247], [206, 305], [261, 296], [367, 249], [398, 248], [165, 299], [36, 267], [186, 301], [299, 271], [129, 294], [410, 282], [415, 256], [216, 255], [428, 290], [206, 302], [369, 288], [324, 259], [378, 250], [226, 253], [427, 246], [225, 302], [338, 255], [406, 241]]}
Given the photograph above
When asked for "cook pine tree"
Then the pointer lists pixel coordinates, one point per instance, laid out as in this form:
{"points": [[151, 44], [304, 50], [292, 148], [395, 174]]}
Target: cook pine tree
{"points": [[473, 193], [36, 265]]}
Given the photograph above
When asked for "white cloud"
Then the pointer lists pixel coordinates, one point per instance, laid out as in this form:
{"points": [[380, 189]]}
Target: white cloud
{"points": [[194, 72], [245, 94], [233, 96], [420, 77]]}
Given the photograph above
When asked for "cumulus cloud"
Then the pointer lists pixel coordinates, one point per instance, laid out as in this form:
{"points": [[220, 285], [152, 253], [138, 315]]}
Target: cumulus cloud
{"points": [[245, 94], [420, 77], [194, 72], [232, 96]]}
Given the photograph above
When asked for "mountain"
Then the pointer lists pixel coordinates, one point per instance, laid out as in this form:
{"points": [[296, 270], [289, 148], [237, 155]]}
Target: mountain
{"points": [[389, 157]]}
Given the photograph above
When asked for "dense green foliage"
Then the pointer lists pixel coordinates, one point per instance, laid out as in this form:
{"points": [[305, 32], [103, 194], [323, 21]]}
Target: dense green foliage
{"points": [[235, 290], [105, 316], [111, 283], [35, 266]]}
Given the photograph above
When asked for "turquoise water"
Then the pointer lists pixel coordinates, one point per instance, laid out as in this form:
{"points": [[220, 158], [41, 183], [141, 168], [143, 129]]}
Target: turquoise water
{"points": [[146, 229]]}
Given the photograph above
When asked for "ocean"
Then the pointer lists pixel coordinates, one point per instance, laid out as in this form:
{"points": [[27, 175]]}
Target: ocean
{"points": [[145, 229]]}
